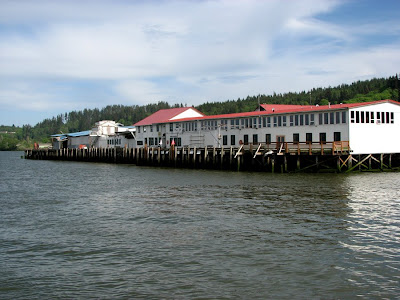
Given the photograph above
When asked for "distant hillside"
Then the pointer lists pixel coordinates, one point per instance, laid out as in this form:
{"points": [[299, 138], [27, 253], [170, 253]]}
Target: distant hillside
{"points": [[360, 91]]}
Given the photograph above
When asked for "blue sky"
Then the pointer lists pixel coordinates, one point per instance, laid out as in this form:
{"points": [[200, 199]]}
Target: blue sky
{"points": [[59, 56]]}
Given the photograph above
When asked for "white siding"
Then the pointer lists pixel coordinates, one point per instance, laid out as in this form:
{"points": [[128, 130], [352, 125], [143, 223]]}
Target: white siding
{"points": [[189, 113], [377, 137]]}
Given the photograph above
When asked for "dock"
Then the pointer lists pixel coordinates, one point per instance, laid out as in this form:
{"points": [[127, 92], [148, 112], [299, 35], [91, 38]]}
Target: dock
{"points": [[273, 157]]}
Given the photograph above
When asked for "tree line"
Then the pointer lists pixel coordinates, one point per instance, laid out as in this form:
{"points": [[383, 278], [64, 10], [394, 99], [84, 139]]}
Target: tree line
{"points": [[12, 138]]}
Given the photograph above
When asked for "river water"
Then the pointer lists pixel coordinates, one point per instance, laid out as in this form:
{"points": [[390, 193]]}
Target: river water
{"points": [[73, 230]]}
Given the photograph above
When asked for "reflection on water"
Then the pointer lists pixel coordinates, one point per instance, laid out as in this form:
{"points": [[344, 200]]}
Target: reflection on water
{"points": [[79, 230]]}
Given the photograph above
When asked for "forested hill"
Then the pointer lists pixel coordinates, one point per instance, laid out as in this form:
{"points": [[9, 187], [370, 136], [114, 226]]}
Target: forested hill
{"points": [[360, 91]]}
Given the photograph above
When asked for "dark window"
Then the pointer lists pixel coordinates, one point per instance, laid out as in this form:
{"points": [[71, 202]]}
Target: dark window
{"points": [[362, 117], [357, 117], [387, 117], [392, 117], [320, 119], [283, 120], [171, 127], [338, 117], [343, 117], [224, 140], [296, 138], [322, 137], [268, 121], [296, 120], [367, 117], [268, 138], [275, 121], [279, 121], [309, 137], [255, 138], [332, 118], [352, 117], [301, 120], [337, 136], [139, 143], [372, 117], [246, 139], [326, 117], [311, 119], [264, 122], [291, 120], [233, 142], [307, 121]]}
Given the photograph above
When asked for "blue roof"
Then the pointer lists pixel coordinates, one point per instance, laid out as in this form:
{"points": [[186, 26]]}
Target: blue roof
{"points": [[80, 133]]}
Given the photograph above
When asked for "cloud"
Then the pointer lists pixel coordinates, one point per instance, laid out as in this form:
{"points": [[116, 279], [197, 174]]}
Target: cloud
{"points": [[95, 53]]}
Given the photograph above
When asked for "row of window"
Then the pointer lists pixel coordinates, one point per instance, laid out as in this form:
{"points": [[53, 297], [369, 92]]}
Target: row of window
{"points": [[280, 139], [246, 141], [114, 142], [277, 121], [371, 117]]}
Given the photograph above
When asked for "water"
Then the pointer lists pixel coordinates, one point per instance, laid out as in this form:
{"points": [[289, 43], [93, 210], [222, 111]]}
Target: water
{"points": [[72, 230]]}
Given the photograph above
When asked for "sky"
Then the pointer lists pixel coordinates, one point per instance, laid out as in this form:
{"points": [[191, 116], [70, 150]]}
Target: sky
{"points": [[60, 56]]}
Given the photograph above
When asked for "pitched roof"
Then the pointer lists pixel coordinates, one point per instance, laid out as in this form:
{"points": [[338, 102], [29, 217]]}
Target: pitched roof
{"points": [[165, 115], [278, 107], [291, 109]]}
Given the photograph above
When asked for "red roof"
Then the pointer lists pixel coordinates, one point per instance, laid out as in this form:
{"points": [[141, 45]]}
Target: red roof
{"points": [[164, 115], [276, 107], [290, 109]]}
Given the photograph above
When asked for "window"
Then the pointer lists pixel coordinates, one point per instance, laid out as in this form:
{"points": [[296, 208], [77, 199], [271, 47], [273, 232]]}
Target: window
{"points": [[352, 120], [301, 120], [311, 119], [307, 119], [372, 117], [387, 117], [237, 123], [291, 118], [259, 122], [296, 138], [357, 117], [151, 128], [224, 140], [255, 139], [246, 139], [337, 136], [279, 121], [171, 127], [139, 143], [367, 117], [326, 117], [264, 122], [158, 127], [332, 118], [284, 121], [233, 142], [362, 118], [296, 120], [268, 138], [383, 117], [320, 117], [344, 117], [322, 137], [242, 123], [232, 124], [138, 129], [337, 117], [275, 121], [309, 138], [268, 121], [392, 117]]}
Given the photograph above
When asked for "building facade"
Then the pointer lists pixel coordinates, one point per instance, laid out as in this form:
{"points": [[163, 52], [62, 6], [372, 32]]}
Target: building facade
{"points": [[370, 127]]}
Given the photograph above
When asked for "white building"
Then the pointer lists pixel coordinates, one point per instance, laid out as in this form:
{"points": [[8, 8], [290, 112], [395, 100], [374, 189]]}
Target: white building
{"points": [[105, 134], [370, 127]]}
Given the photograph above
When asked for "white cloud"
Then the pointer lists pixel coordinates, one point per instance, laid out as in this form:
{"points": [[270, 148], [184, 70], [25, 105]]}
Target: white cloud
{"points": [[186, 51]]}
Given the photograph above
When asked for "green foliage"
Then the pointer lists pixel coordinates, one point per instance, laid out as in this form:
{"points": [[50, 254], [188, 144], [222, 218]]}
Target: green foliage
{"points": [[360, 91]]}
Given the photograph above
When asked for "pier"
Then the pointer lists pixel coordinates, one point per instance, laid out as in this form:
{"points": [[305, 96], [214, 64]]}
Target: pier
{"points": [[273, 157]]}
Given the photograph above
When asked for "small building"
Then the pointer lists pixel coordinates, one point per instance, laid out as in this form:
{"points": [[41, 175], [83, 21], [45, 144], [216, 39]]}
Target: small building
{"points": [[105, 134], [363, 128]]}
